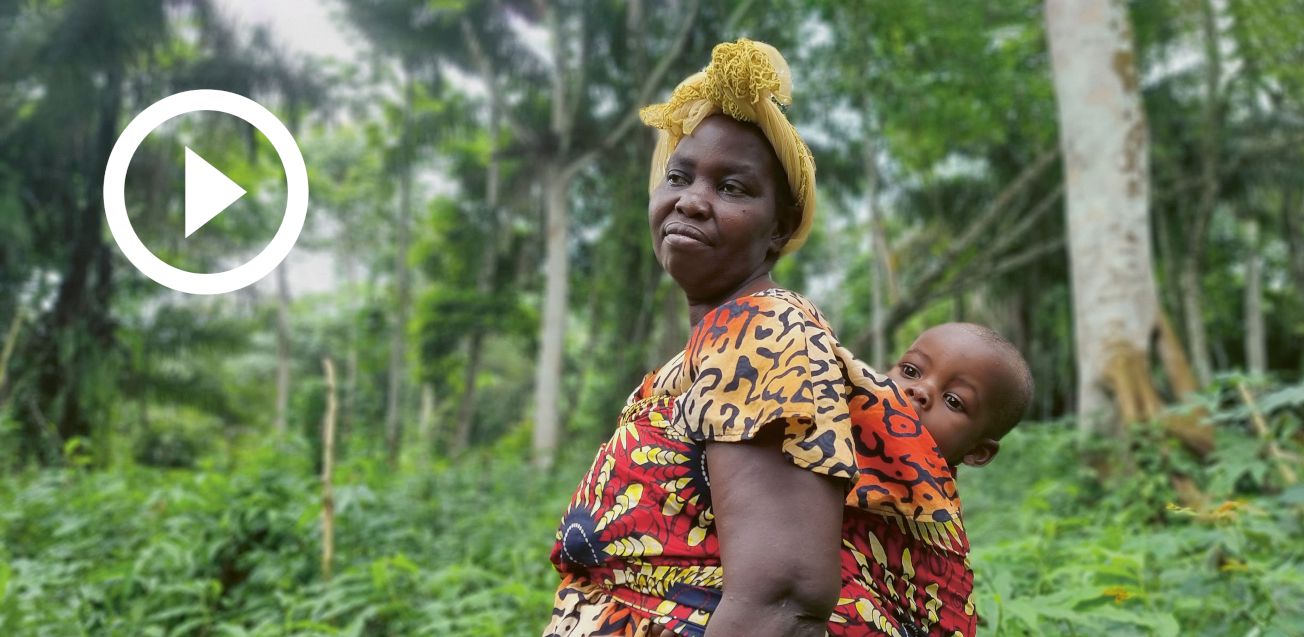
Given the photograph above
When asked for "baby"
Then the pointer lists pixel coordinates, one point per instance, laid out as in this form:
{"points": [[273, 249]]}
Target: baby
{"points": [[969, 386]]}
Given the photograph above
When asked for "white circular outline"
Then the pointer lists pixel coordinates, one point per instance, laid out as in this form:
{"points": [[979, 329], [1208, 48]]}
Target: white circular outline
{"points": [[296, 196]]}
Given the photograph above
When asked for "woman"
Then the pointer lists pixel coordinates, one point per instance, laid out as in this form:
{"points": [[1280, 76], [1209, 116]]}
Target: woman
{"points": [[762, 480]]}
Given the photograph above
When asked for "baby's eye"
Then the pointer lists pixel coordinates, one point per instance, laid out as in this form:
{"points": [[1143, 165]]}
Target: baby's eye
{"points": [[909, 371], [954, 402]]}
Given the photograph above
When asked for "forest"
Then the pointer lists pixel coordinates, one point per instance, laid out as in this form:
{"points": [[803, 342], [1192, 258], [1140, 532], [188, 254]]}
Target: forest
{"points": [[381, 436]]}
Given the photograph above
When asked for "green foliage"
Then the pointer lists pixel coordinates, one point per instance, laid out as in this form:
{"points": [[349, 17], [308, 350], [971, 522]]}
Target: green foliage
{"points": [[457, 550], [165, 518], [462, 548], [1058, 553]]}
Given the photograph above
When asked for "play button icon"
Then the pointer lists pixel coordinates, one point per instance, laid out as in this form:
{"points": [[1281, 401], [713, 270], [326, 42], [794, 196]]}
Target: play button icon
{"points": [[208, 192]]}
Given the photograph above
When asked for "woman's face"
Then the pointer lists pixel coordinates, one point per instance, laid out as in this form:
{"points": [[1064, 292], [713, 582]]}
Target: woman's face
{"points": [[715, 216]]}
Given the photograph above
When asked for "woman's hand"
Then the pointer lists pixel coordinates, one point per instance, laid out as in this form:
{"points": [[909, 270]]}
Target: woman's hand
{"points": [[780, 540]]}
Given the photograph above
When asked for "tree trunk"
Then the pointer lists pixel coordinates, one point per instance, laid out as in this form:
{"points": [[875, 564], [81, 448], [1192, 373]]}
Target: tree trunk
{"points": [[403, 287], [348, 406], [1193, 312], [282, 348], [466, 407], [486, 272], [1176, 365], [1293, 233], [877, 316], [427, 433], [552, 330], [1211, 125], [11, 339], [1256, 348], [328, 472], [568, 87], [882, 291], [673, 322], [1103, 139]]}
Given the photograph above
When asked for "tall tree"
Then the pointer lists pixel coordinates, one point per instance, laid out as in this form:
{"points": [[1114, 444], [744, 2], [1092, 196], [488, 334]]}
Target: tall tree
{"points": [[1104, 142], [85, 65], [1207, 201], [413, 35], [571, 41], [397, 383]]}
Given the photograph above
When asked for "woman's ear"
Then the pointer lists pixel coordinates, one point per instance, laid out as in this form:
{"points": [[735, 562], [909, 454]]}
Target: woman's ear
{"points": [[786, 222], [982, 453]]}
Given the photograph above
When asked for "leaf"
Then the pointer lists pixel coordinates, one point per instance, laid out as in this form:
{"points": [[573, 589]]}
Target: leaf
{"points": [[1288, 397], [1292, 495]]}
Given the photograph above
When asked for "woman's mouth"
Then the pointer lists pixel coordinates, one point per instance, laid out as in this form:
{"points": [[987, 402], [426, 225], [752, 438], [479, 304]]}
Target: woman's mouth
{"points": [[679, 233]]}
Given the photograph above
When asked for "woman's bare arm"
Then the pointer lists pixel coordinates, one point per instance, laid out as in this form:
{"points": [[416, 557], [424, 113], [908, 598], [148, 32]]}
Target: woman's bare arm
{"points": [[780, 529]]}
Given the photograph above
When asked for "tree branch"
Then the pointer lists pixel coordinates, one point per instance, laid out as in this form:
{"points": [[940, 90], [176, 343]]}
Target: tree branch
{"points": [[645, 92], [981, 226], [973, 275], [926, 288], [1026, 222]]}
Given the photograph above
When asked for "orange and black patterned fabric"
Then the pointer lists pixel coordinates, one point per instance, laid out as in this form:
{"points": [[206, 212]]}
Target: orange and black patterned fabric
{"points": [[638, 544]]}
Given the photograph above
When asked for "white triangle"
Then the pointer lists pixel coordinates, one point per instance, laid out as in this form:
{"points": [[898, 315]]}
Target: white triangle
{"points": [[208, 192]]}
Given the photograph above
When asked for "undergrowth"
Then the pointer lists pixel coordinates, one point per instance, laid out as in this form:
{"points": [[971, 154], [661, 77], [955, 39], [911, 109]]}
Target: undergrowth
{"points": [[233, 549]]}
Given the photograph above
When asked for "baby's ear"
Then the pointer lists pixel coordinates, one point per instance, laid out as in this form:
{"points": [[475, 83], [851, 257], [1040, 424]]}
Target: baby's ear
{"points": [[982, 453]]}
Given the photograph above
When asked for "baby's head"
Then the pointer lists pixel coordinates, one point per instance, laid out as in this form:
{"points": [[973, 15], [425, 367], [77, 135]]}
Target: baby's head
{"points": [[969, 387]]}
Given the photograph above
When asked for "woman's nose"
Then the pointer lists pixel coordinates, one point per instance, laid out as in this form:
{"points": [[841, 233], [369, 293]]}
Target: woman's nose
{"points": [[693, 203]]}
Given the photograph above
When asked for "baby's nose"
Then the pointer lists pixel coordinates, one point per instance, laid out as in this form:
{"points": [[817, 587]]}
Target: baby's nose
{"points": [[917, 394]]}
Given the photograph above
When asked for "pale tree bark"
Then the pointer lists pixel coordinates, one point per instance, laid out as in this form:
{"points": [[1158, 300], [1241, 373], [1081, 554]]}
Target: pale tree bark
{"points": [[1210, 129], [349, 403], [552, 337], [882, 291], [427, 433], [877, 313], [1256, 346], [1181, 377], [485, 273], [1193, 314], [282, 348], [403, 285], [556, 187], [1104, 142], [557, 173]]}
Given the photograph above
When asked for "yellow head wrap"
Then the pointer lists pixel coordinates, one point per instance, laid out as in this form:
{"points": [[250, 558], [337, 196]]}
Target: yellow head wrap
{"points": [[750, 82]]}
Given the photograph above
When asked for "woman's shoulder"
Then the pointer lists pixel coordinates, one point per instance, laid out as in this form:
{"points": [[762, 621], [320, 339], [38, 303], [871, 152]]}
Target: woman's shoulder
{"points": [[780, 297], [764, 320], [790, 297], [763, 310]]}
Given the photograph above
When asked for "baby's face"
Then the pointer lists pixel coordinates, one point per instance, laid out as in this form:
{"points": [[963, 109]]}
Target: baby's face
{"points": [[955, 380]]}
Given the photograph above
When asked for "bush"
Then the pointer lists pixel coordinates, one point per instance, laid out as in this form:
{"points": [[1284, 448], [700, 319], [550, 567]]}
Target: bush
{"points": [[1058, 553], [461, 548]]}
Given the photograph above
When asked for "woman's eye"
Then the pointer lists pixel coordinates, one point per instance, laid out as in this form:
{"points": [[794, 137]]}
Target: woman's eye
{"points": [[954, 402], [909, 371], [730, 188], [676, 179]]}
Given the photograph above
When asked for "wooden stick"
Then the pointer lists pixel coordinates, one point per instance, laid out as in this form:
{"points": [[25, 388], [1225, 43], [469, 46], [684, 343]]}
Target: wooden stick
{"points": [[11, 339], [1261, 427], [327, 473]]}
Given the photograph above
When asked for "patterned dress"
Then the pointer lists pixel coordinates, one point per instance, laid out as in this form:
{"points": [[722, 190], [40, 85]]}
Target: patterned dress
{"points": [[638, 543]]}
